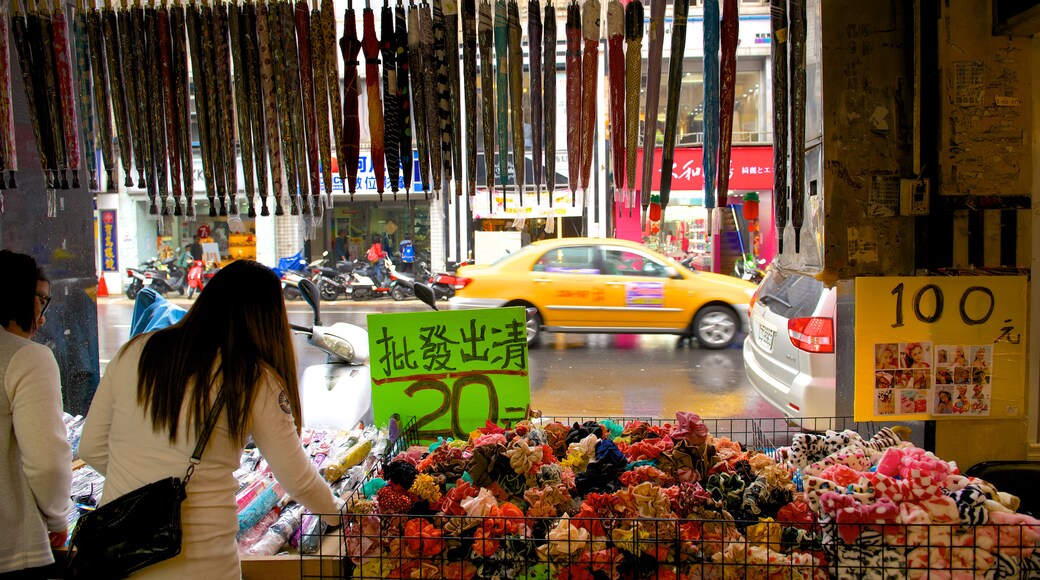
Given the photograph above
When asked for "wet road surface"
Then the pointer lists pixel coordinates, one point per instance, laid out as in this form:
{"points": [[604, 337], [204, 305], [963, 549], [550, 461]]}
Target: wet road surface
{"points": [[571, 375]]}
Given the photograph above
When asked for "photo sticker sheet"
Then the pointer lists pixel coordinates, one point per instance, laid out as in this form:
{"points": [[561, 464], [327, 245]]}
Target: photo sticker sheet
{"points": [[884, 402]]}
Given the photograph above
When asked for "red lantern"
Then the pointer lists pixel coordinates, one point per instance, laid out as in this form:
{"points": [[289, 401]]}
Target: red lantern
{"points": [[751, 206]]}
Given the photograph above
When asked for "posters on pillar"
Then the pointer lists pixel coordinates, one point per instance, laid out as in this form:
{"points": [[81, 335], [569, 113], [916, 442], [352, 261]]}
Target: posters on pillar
{"points": [[107, 231], [940, 347]]}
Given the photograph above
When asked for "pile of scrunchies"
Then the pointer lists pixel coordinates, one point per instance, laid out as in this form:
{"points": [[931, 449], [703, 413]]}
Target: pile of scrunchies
{"points": [[602, 500]]}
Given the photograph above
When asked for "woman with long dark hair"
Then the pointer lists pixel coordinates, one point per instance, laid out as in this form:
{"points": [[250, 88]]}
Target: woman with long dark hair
{"points": [[156, 394]]}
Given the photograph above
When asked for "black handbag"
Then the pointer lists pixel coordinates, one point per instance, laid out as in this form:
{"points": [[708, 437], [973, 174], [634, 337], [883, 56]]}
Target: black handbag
{"points": [[138, 529]]}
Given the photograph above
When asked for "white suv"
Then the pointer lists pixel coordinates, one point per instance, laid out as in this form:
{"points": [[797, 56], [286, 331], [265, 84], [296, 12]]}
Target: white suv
{"points": [[789, 351]]}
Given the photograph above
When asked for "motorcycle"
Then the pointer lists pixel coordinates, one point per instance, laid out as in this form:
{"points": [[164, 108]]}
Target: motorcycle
{"points": [[402, 284], [333, 281], [199, 276], [291, 279], [162, 277], [747, 268], [363, 283]]}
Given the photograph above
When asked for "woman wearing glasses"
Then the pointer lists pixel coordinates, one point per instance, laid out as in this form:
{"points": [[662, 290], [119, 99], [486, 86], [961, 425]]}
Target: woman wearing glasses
{"points": [[35, 472]]}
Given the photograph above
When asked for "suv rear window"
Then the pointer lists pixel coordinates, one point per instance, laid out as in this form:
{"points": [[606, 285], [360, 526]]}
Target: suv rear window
{"points": [[790, 295]]}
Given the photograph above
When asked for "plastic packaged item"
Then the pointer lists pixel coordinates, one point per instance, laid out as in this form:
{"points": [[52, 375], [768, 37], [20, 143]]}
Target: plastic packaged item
{"points": [[339, 464], [249, 537], [311, 529], [278, 534], [257, 508]]}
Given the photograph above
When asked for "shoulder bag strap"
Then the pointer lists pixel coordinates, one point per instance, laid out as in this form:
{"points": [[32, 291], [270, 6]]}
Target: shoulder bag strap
{"points": [[207, 429]]}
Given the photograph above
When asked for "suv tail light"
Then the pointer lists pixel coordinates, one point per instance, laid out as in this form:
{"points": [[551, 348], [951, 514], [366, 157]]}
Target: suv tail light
{"points": [[814, 334], [754, 297]]}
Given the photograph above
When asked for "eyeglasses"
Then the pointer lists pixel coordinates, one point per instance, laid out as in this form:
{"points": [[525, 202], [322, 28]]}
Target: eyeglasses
{"points": [[45, 301]]}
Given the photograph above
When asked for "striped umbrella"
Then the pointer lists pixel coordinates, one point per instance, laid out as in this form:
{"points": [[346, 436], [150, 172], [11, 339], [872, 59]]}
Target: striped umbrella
{"points": [[328, 33], [574, 109], [590, 30], [138, 94], [502, 86], [634, 62], [267, 37], [7, 138], [680, 12], [169, 99], [797, 31], [727, 95], [295, 137], [67, 93], [182, 107], [242, 98], [711, 100], [433, 118], [225, 112], [616, 64], [451, 55], [469, 74], [422, 134], [84, 85], [778, 52], [321, 97], [370, 45], [404, 98], [257, 122], [441, 83], [34, 87], [549, 98], [350, 47], [310, 133], [653, 94], [534, 46], [391, 108], [486, 34], [200, 80], [118, 86], [101, 96], [42, 21], [516, 91]]}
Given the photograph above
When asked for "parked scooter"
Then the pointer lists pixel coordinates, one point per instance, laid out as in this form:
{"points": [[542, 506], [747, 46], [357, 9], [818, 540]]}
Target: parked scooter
{"points": [[291, 280], [363, 283], [161, 276], [401, 283], [199, 276], [332, 281]]}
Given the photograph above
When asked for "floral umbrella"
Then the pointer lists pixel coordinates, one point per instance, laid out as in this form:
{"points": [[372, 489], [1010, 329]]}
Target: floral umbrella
{"points": [[574, 109], [350, 47], [633, 72], [294, 137], [516, 91], [616, 64], [328, 33], [170, 104], [34, 87], [155, 120], [213, 106], [268, 38], [590, 31], [243, 96], [778, 52], [486, 34], [321, 96], [653, 94], [67, 93], [391, 107], [370, 45], [102, 98], [41, 23], [257, 122], [502, 87], [310, 126], [132, 22], [182, 106], [680, 11], [549, 102], [200, 69], [442, 79], [451, 55], [404, 99], [118, 87], [433, 122], [534, 46], [226, 112], [419, 113], [469, 73], [9, 161], [84, 85], [797, 32]]}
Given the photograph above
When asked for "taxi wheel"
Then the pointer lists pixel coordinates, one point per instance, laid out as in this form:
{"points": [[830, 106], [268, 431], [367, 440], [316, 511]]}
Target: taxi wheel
{"points": [[715, 327]]}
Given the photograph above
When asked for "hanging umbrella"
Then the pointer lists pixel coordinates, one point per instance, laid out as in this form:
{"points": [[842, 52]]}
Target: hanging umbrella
{"points": [[170, 104], [310, 122], [516, 91], [633, 72], [267, 35], [486, 34], [391, 108], [727, 95], [138, 92], [442, 80], [574, 109], [422, 130], [680, 12], [370, 45], [328, 33], [502, 86], [156, 113], [534, 46], [778, 52], [404, 99], [796, 27], [653, 94], [257, 122], [182, 108], [42, 22], [228, 186], [590, 31], [294, 138], [549, 102], [711, 100], [242, 98], [33, 86], [67, 93], [101, 97], [213, 104], [118, 85], [84, 85], [200, 80], [451, 55], [321, 98], [616, 64], [433, 118], [350, 46], [469, 74], [7, 138]]}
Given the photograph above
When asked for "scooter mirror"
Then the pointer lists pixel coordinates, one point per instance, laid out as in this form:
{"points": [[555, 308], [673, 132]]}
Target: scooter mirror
{"points": [[425, 293], [310, 294]]}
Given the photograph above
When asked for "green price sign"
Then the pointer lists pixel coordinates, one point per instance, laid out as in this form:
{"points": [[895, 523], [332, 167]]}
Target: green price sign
{"points": [[452, 370]]}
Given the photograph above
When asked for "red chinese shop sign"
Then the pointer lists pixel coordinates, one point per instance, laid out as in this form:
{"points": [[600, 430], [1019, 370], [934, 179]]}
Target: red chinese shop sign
{"points": [[750, 168]]}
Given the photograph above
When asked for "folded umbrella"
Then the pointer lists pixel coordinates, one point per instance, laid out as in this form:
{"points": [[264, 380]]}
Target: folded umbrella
{"points": [[85, 94], [486, 36], [534, 46], [469, 74], [502, 87], [132, 20], [257, 122], [213, 106], [156, 109], [727, 95], [370, 45], [102, 98], [42, 22], [242, 98], [653, 94], [419, 113], [516, 91], [442, 83], [269, 46], [616, 66], [322, 117], [350, 46], [310, 119], [711, 100], [451, 56], [295, 138], [574, 108], [429, 80], [797, 33], [33, 86], [680, 12], [118, 86], [549, 97], [391, 107], [222, 56], [169, 102], [67, 98], [633, 72], [404, 97], [7, 137], [590, 31], [778, 52], [328, 33], [182, 106], [199, 69]]}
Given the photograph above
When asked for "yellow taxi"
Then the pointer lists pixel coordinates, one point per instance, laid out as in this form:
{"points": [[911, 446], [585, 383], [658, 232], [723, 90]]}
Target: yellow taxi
{"points": [[604, 285]]}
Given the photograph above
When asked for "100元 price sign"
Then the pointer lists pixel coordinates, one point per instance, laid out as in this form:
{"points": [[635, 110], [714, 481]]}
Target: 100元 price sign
{"points": [[452, 371]]}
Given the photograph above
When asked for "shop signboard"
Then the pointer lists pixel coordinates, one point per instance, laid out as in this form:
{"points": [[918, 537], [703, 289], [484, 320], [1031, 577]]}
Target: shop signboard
{"points": [[751, 168], [109, 250], [948, 347], [452, 371]]}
